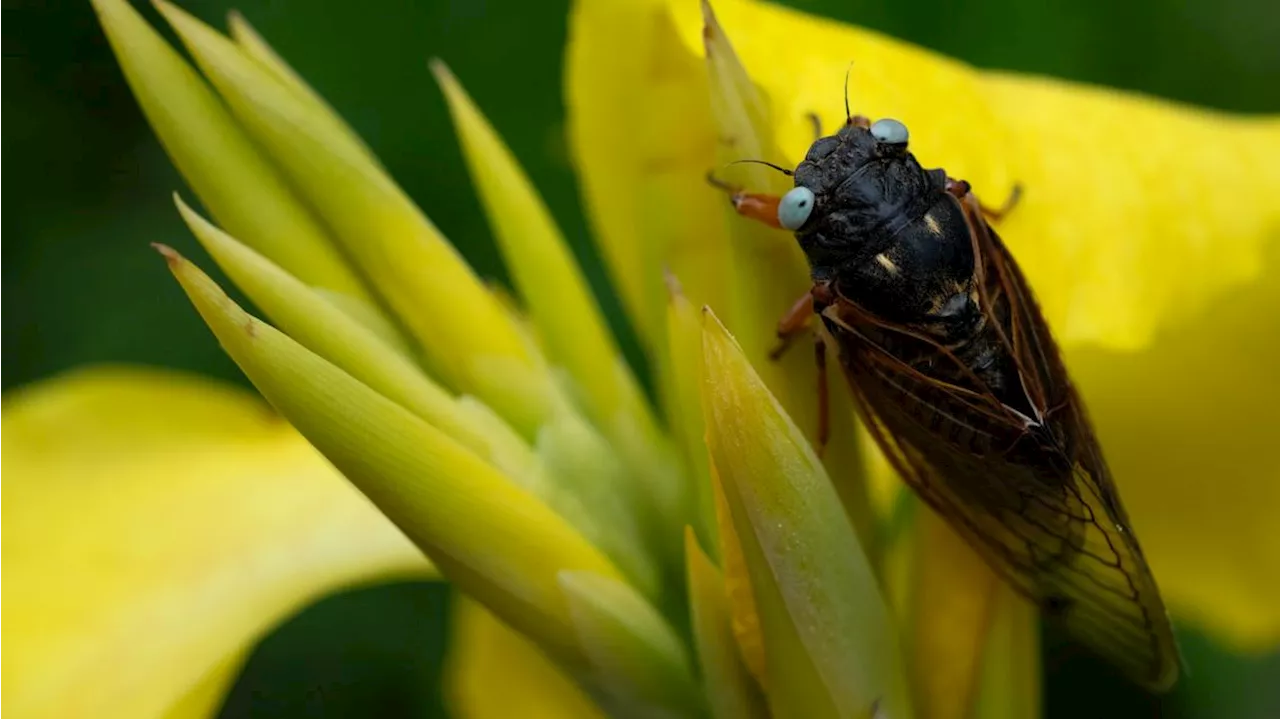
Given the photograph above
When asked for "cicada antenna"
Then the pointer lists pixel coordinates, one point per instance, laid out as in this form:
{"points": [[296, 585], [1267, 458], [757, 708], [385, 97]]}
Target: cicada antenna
{"points": [[847, 72], [783, 170]]}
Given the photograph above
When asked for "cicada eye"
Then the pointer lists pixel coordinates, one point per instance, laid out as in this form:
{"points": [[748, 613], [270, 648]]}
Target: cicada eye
{"points": [[795, 208], [889, 131]]}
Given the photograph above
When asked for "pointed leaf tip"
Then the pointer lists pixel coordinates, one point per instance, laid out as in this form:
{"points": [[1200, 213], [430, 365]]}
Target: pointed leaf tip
{"points": [[497, 541], [829, 641]]}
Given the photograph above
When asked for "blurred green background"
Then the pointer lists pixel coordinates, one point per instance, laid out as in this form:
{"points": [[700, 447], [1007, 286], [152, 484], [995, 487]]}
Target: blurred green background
{"points": [[89, 187]]}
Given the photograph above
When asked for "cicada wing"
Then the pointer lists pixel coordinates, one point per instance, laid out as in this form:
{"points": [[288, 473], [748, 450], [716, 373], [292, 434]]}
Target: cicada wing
{"points": [[1061, 541]]}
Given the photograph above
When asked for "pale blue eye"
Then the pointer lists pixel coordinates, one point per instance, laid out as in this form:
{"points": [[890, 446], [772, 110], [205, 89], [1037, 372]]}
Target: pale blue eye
{"points": [[889, 131], [795, 207]]}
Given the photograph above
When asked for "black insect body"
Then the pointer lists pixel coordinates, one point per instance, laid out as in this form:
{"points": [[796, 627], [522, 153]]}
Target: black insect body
{"points": [[956, 374]]}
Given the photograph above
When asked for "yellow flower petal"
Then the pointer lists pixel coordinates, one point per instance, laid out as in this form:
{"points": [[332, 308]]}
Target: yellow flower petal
{"points": [[829, 640], [643, 165], [218, 160], [466, 335], [1010, 683], [948, 619], [730, 688], [158, 524], [498, 542], [744, 617], [493, 673], [1189, 426]]}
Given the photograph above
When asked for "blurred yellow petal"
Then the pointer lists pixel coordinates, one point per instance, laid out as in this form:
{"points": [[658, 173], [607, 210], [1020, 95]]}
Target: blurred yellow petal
{"points": [[947, 620], [730, 689], [1189, 426], [463, 330], [493, 673], [829, 640], [156, 525], [1009, 685], [323, 328], [206, 697], [744, 617], [641, 164], [495, 540], [218, 160]]}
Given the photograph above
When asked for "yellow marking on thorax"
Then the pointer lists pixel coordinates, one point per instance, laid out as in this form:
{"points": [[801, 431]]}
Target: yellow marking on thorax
{"points": [[932, 223], [887, 264]]}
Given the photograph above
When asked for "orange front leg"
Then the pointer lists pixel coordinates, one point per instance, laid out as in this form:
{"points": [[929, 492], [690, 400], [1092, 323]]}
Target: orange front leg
{"points": [[755, 205]]}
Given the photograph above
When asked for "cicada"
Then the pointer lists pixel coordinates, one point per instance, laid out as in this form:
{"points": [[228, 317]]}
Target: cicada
{"points": [[958, 378]]}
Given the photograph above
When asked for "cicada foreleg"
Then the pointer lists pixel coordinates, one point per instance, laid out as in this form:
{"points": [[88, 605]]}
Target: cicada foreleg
{"points": [[795, 322], [755, 205], [960, 189]]}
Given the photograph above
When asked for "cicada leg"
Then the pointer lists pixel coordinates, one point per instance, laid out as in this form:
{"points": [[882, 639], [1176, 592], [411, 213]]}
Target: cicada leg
{"points": [[824, 401], [961, 188], [792, 324], [755, 205], [795, 322]]}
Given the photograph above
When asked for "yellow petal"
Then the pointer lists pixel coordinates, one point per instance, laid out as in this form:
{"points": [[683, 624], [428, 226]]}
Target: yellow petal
{"points": [[333, 334], [218, 160], [493, 673], [158, 524], [1009, 687], [495, 540], [1189, 430], [466, 335], [642, 138], [830, 644], [731, 690], [948, 619], [744, 616]]}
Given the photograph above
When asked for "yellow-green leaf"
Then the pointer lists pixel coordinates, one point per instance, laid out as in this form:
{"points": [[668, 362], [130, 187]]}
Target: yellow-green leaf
{"points": [[241, 189], [493, 539], [157, 524], [829, 640], [636, 658], [570, 326], [466, 335], [319, 325]]}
